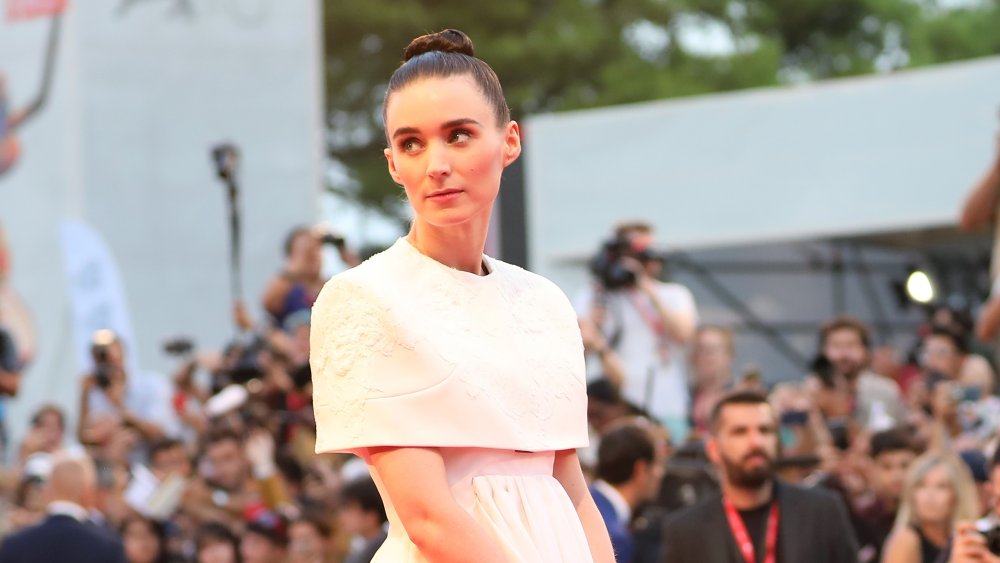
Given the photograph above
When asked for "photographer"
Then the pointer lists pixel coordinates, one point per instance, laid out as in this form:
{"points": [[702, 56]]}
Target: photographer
{"points": [[110, 400], [646, 322], [297, 285]]}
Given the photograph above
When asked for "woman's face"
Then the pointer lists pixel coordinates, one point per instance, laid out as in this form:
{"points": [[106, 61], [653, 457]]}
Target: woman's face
{"points": [[934, 498], [217, 552], [447, 150], [141, 544], [305, 545], [50, 426]]}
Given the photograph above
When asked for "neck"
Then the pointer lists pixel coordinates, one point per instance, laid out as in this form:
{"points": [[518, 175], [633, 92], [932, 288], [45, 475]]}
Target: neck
{"points": [[629, 493], [458, 247], [936, 532], [852, 379], [715, 381], [372, 531], [744, 498]]}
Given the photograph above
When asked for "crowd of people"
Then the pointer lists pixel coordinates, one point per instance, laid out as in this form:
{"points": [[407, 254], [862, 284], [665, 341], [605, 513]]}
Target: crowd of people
{"points": [[873, 454], [217, 465], [214, 464], [866, 457]]}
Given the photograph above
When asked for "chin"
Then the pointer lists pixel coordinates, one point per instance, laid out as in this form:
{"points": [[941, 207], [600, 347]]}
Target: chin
{"points": [[450, 217]]}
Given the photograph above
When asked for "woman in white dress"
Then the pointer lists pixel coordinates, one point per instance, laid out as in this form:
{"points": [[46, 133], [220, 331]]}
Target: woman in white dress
{"points": [[458, 378]]}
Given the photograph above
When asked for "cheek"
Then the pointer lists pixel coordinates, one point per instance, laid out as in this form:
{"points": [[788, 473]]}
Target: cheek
{"points": [[485, 163]]}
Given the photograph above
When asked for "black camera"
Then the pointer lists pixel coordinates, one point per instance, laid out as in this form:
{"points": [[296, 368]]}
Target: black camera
{"points": [[608, 265], [991, 533], [244, 364], [327, 236], [100, 349], [178, 346]]}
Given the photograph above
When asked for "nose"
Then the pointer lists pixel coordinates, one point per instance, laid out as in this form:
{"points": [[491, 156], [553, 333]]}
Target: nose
{"points": [[756, 439], [438, 161]]}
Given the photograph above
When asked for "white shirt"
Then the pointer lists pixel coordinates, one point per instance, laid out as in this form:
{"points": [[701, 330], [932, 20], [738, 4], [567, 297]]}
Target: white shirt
{"points": [[618, 502], [655, 373], [148, 397], [67, 508]]}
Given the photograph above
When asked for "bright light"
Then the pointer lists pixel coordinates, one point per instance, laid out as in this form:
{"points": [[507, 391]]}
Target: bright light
{"points": [[919, 287]]}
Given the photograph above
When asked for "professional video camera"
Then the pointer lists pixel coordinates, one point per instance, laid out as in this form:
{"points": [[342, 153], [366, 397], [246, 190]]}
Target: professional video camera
{"points": [[609, 267]]}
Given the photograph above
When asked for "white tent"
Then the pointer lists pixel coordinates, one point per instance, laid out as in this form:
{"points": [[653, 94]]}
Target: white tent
{"points": [[845, 157]]}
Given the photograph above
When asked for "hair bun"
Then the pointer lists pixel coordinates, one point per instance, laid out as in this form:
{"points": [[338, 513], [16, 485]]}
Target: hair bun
{"points": [[447, 41]]}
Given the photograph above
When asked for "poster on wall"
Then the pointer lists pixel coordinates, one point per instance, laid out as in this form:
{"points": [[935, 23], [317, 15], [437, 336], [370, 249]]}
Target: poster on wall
{"points": [[15, 317]]}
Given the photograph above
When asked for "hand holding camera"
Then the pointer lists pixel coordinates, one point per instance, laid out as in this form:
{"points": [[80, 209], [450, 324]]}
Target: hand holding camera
{"points": [[971, 546], [329, 236]]}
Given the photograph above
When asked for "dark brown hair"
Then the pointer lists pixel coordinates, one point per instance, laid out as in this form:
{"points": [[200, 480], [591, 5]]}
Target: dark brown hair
{"points": [[620, 450], [443, 54], [36, 418], [952, 332], [892, 440], [842, 322], [738, 397]]}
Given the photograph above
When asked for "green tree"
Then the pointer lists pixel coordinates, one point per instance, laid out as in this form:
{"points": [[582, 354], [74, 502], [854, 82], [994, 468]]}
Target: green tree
{"points": [[556, 55]]}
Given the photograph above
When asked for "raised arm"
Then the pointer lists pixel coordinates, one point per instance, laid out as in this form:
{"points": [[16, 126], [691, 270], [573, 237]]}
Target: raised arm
{"points": [[567, 471], [980, 206], [988, 324], [679, 319], [417, 486]]}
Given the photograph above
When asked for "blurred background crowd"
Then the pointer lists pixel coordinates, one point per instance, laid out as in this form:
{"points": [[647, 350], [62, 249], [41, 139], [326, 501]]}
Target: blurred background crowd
{"points": [[200, 448]]}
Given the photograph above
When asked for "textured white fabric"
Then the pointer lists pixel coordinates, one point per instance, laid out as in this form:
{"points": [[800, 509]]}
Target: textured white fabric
{"points": [[409, 352]]}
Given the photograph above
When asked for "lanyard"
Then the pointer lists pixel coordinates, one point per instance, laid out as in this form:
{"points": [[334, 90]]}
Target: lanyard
{"points": [[649, 313], [743, 538]]}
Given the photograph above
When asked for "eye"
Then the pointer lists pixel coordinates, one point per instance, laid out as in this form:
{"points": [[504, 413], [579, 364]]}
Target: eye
{"points": [[459, 136], [410, 145]]}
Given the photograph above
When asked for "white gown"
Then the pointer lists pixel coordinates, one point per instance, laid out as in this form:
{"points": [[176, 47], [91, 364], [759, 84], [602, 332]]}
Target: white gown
{"points": [[409, 352]]}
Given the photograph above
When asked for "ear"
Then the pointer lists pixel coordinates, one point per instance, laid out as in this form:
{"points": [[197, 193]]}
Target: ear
{"points": [[640, 469], [511, 143], [712, 451], [392, 166]]}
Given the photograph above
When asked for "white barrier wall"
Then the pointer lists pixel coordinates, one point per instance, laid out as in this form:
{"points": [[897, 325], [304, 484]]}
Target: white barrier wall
{"points": [[140, 92]]}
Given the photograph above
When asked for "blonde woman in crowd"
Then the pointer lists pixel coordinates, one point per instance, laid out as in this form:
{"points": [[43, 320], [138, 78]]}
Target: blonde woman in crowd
{"points": [[939, 492]]}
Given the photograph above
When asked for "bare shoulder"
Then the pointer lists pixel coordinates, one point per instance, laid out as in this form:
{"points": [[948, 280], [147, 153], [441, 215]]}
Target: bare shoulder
{"points": [[902, 546]]}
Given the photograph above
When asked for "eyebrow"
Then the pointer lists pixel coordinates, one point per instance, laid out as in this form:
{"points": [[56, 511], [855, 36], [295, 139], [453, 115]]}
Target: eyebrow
{"points": [[448, 125]]}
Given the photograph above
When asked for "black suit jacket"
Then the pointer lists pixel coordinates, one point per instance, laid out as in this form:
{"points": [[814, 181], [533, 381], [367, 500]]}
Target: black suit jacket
{"points": [[814, 528], [368, 552], [62, 539]]}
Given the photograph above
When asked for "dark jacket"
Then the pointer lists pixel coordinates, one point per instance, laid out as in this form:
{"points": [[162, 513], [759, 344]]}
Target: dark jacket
{"points": [[621, 538], [813, 528], [367, 552], [63, 539]]}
